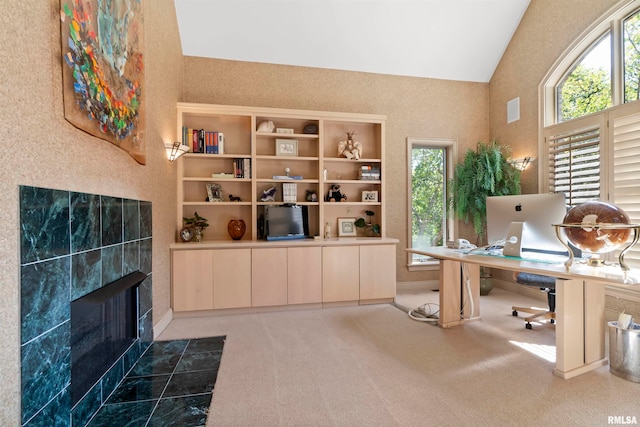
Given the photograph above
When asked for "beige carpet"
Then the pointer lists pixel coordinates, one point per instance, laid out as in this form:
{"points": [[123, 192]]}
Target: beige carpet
{"points": [[374, 366]]}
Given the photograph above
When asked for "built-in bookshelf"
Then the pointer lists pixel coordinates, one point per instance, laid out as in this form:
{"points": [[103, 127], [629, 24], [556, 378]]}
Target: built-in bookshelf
{"points": [[260, 149]]}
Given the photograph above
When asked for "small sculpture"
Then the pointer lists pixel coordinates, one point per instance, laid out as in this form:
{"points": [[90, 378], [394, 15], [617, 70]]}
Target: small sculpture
{"points": [[350, 149], [269, 195], [311, 196], [266, 126], [334, 194], [233, 198]]}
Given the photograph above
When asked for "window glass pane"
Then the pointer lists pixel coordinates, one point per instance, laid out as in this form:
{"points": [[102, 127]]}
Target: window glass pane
{"points": [[631, 52], [428, 219], [587, 87]]}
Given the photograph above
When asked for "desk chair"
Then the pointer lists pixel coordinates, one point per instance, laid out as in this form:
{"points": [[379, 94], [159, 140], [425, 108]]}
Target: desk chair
{"points": [[546, 284]]}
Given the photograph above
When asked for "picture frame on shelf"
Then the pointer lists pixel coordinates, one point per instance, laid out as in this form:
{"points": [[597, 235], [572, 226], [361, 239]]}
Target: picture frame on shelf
{"points": [[346, 227], [214, 192], [370, 196], [286, 147]]}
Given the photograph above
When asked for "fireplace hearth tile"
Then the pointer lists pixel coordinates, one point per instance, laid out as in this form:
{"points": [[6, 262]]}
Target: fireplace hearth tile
{"points": [[131, 259], [182, 411], [199, 361], [86, 273], [145, 219], [131, 219], [111, 208], [44, 296], [145, 255], [140, 388], [44, 224], [46, 369], [120, 414], [111, 264], [85, 222], [171, 371]]}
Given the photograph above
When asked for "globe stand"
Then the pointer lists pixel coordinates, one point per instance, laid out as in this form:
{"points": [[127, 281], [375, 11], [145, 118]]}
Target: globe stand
{"points": [[595, 260]]}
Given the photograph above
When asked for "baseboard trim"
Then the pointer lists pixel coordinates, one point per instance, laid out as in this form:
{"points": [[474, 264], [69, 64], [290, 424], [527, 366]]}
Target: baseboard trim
{"points": [[422, 284], [162, 324]]}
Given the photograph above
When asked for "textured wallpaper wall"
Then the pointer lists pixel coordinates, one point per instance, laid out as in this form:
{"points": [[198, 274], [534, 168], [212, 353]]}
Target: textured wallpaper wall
{"points": [[46, 151]]}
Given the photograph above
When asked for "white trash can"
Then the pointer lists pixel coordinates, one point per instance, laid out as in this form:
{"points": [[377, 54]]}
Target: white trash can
{"points": [[624, 351]]}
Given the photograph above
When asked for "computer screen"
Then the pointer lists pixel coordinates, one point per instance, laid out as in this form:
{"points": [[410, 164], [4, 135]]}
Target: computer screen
{"points": [[286, 222], [536, 212]]}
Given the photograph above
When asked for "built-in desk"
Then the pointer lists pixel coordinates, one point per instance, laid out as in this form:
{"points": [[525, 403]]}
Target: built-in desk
{"points": [[580, 322]]}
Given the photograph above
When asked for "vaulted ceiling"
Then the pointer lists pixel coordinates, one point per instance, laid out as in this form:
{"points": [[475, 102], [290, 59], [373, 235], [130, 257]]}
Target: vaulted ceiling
{"points": [[443, 39]]}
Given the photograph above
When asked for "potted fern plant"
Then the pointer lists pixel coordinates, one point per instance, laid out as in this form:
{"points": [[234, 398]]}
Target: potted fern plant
{"points": [[483, 172]]}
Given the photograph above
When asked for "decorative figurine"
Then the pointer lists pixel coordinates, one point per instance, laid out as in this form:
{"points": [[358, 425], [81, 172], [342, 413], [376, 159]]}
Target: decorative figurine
{"points": [[233, 198], [269, 195], [311, 196], [266, 126], [350, 149], [327, 230], [334, 194]]}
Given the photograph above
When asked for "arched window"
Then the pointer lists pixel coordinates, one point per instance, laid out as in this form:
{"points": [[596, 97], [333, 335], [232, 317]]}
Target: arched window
{"points": [[590, 128], [586, 88]]}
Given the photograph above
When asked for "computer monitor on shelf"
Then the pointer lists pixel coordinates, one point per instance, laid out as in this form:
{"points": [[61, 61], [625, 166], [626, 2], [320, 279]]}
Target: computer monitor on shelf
{"points": [[524, 223]]}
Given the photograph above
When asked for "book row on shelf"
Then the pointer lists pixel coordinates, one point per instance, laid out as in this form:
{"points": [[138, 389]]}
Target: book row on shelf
{"points": [[369, 172], [203, 141], [241, 169]]}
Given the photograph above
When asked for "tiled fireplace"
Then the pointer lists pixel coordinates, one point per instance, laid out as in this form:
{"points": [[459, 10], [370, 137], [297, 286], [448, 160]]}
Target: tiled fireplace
{"points": [[73, 244]]}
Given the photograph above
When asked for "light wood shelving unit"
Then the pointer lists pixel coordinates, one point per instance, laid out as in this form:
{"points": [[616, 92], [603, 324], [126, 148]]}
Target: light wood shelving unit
{"points": [[252, 273]]}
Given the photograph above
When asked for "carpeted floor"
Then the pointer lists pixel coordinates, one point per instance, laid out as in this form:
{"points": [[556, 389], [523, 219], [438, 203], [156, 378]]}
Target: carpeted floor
{"points": [[374, 366]]}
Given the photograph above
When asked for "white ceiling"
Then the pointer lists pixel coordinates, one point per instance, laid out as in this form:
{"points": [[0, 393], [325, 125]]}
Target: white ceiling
{"points": [[443, 39]]}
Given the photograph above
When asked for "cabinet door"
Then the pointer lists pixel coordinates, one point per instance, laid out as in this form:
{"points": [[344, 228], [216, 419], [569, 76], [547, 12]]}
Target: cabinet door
{"points": [[269, 272], [304, 278], [377, 272], [340, 273], [192, 276], [232, 278]]}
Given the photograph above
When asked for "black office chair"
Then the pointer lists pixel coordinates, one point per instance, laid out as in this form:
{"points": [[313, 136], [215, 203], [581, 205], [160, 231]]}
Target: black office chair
{"points": [[546, 284]]}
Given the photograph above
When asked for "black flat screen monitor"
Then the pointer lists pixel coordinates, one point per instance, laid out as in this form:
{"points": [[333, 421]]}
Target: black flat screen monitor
{"points": [[537, 213], [286, 222]]}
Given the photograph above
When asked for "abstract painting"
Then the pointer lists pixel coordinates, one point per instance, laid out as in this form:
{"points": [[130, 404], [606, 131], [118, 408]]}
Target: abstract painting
{"points": [[103, 70]]}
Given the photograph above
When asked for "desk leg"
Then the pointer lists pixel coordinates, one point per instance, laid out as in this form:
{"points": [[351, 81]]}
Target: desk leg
{"points": [[579, 328], [453, 292]]}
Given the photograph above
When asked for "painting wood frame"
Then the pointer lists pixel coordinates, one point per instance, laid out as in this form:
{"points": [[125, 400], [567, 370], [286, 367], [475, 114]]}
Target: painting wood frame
{"points": [[286, 147], [346, 227], [103, 71]]}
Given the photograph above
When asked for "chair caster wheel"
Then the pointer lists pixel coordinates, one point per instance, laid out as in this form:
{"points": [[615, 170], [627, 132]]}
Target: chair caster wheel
{"points": [[514, 313], [528, 326]]}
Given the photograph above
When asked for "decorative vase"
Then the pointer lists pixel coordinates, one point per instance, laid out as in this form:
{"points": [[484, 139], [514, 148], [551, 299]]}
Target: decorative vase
{"points": [[486, 284], [197, 234], [236, 228]]}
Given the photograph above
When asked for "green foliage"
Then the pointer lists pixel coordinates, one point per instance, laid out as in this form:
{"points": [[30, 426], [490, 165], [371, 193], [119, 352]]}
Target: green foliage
{"points": [[361, 223], [196, 221], [584, 91], [483, 172], [427, 192], [632, 58]]}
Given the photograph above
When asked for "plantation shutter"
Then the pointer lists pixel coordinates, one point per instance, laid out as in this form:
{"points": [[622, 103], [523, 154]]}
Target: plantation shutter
{"points": [[574, 159], [625, 135]]}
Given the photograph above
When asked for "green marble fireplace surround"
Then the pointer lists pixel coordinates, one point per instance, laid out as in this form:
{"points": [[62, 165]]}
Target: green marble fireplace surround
{"points": [[72, 244]]}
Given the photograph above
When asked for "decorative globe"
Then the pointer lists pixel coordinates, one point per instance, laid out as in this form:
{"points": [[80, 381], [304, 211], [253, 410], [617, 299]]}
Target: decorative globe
{"points": [[592, 238]]}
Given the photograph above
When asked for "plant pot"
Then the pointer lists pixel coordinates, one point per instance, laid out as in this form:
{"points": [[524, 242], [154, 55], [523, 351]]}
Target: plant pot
{"points": [[236, 228], [486, 284], [197, 234]]}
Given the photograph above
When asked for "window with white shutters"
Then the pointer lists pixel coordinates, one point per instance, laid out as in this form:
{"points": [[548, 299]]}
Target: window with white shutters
{"points": [[625, 135], [574, 159]]}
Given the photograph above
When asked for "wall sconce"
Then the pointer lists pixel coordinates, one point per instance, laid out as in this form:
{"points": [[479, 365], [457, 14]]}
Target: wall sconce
{"points": [[522, 163], [175, 150]]}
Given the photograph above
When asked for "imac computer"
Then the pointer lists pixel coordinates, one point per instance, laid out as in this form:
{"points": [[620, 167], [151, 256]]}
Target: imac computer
{"points": [[524, 223]]}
